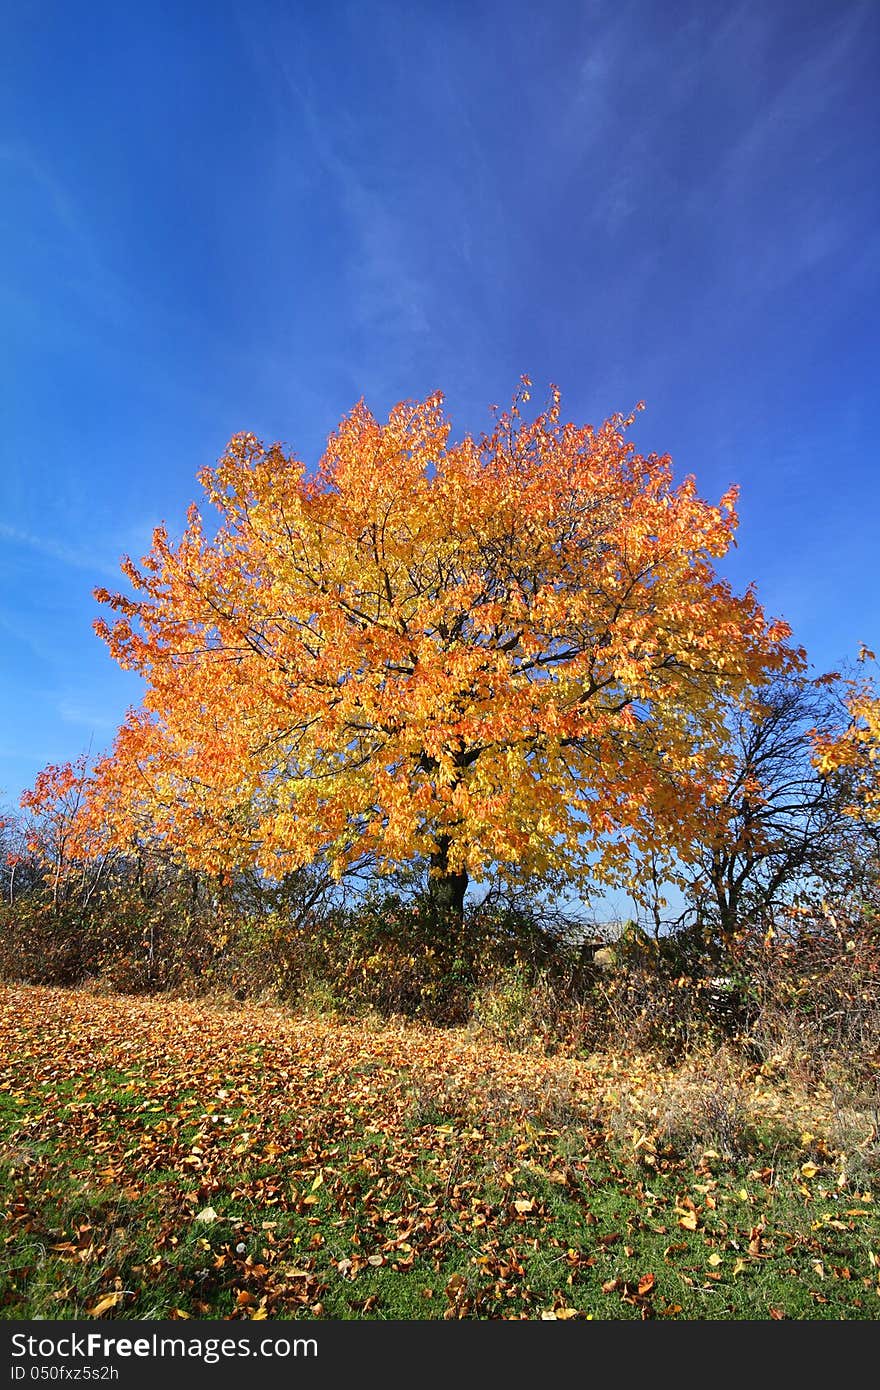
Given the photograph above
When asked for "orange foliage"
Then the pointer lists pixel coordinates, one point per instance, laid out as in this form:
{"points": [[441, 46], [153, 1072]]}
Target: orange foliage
{"points": [[503, 647], [858, 747], [62, 829]]}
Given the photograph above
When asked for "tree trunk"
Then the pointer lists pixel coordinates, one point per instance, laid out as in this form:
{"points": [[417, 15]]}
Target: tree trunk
{"points": [[446, 887]]}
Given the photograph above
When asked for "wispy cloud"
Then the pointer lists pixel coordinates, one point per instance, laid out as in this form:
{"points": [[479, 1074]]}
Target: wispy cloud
{"points": [[17, 155], [391, 295], [774, 239], [388, 292], [71, 712], [82, 558], [67, 235]]}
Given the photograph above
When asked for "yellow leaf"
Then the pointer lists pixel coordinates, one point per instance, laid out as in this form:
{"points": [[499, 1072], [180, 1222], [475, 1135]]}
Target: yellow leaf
{"points": [[104, 1304], [688, 1222]]}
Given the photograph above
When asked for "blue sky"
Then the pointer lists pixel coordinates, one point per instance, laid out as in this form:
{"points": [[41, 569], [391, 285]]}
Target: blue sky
{"points": [[218, 217]]}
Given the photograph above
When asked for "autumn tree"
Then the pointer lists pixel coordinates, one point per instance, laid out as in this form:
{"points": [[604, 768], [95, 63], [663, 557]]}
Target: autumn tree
{"points": [[19, 870], [495, 653], [63, 831], [855, 750]]}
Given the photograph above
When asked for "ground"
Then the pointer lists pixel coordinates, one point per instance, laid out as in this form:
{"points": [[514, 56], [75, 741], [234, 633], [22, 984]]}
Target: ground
{"points": [[171, 1159]]}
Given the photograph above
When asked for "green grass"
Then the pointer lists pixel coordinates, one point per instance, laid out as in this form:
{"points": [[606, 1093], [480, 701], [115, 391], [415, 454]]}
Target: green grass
{"points": [[351, 1190]]}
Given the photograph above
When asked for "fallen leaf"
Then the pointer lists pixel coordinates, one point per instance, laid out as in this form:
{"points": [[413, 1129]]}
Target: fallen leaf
{"points": [[110, 1300]]}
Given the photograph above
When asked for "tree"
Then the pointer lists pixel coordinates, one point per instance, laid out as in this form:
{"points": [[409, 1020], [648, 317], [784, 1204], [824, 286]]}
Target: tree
{"points": [[494, 653], [19, 869], [63, 832], [856, 749], [773, 828]]}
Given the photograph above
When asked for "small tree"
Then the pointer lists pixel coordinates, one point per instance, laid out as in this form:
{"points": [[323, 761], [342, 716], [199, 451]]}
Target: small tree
{"points": [[493, 654], [66, 839], [856, 749], [774, 829], [19, 868]]}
